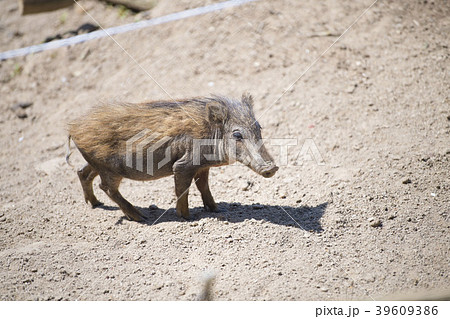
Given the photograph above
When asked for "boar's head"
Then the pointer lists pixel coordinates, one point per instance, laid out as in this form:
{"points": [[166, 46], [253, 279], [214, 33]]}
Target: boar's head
{"points": [[234, 122]]}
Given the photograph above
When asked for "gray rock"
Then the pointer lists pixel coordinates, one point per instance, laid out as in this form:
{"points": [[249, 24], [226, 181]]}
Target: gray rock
{"points": [[376, 223]]}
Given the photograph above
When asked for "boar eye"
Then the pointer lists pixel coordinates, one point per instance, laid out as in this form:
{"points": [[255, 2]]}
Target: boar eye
{"points": [[237, 136]]}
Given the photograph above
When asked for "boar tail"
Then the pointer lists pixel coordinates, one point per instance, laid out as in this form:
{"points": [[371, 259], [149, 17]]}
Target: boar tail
{"points": [[68, 151]]}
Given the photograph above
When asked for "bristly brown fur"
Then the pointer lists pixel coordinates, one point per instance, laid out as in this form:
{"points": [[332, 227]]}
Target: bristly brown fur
{"points": [[105, 129]]}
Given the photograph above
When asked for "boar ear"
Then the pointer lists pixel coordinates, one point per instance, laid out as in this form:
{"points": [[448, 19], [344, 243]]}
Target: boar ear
{"points": [[247, 99], [216, 112]]}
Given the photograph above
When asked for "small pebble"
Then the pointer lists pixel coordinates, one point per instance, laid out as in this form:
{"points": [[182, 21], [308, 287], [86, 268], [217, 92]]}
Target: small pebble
{"points": [[19, 109], [324, 289], [21, 114], [21, 105], [375, 223], [351, 88]]}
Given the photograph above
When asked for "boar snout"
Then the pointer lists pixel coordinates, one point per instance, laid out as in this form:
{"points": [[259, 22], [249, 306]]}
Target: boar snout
{"points": [[262, 163], [257, 159], [268, 171]]}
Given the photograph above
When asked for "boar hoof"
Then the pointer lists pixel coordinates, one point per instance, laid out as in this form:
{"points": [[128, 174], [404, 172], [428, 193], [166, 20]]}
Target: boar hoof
{"points": [[136, 217], [133, 214], [221, 210], [183, 214], [96, 204], [212, 208]]}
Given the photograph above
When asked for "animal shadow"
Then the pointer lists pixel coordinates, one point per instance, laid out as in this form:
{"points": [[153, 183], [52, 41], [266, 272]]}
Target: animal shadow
{"points": [[304, 217]]}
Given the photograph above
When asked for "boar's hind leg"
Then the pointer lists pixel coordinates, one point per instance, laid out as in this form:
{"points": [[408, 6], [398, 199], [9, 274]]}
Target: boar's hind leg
{"points": [[87, 174], [202, 184], [110, 185]]}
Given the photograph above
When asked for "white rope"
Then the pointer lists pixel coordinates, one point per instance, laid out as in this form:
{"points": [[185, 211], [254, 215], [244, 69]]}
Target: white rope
{"points": [[122, 29]]}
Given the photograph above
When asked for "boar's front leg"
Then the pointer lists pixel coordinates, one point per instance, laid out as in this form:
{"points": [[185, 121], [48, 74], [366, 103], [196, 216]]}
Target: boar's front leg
{"points": [[201, 180], [183, 175], [110, 185]]}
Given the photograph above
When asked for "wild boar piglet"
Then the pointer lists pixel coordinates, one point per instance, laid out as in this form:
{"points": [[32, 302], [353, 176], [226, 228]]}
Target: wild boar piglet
{"points": [[184, 138]]}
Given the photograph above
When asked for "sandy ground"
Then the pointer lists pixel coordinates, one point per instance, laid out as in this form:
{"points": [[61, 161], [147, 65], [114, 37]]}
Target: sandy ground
{"points": [[371, 222]]}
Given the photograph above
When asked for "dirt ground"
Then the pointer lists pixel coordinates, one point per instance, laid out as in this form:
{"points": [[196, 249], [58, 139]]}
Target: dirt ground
{"points": [[371, 222]]}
